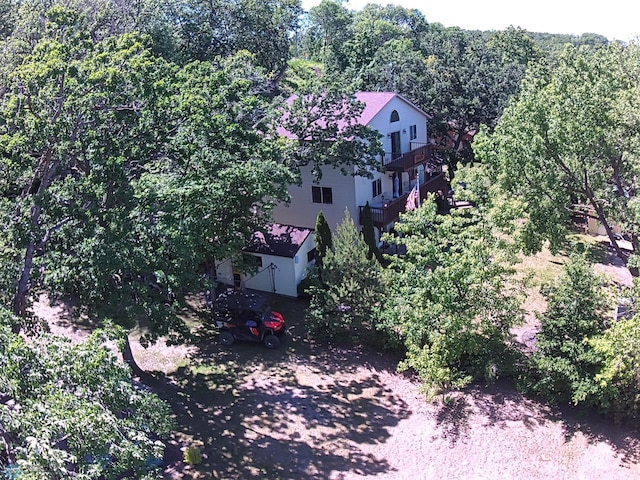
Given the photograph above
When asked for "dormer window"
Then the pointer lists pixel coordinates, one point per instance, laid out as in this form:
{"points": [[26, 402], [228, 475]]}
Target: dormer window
{"points": [[395, 117]]}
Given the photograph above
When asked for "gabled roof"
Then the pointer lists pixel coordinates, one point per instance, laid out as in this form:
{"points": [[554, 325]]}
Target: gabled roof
{"points": [[279, 240], [374, 102]]}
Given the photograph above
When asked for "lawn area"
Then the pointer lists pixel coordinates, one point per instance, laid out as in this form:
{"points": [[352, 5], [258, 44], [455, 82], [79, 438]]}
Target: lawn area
{"points": [[536, 271]]}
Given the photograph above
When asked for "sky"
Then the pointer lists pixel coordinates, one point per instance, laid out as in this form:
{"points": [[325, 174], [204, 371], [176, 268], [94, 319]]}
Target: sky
{"points": [[615, 19]]}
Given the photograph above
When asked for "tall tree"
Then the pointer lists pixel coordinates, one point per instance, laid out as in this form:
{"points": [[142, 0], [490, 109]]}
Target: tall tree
{"points": [[451, 302], [465, 84], [373, 27], [328, 31], [322, 123], [72, 410], [210, 28], [121, 173], [572, 137], [397, 66], [344, 306]]}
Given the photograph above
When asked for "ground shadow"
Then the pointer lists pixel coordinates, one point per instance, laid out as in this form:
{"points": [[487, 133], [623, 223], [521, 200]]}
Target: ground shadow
{"points": [[62, 315], [259, 420], [500, 405], [303, 410]]}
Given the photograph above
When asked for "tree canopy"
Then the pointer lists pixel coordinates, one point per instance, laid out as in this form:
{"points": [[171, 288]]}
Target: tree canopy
{"points": [[571, 137], [122, 172], [141, 141], [449, 302], [72, 411]]}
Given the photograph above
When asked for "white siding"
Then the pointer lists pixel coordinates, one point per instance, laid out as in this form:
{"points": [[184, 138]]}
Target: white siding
{"points": [[301, 266], [409, 115], [302, 212], [276, 275], [279, 275], [351, 192]]}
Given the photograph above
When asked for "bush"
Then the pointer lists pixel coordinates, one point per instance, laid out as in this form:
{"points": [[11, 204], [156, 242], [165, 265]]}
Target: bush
{"points": [[565, 363], [192, 455]]}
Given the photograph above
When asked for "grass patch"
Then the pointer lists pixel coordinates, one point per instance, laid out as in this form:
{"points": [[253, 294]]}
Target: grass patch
{"points": [[539, 269], [595, 249]]}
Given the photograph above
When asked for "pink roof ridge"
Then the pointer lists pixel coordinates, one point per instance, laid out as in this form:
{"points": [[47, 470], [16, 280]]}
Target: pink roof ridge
{"points": [[374, 102]]}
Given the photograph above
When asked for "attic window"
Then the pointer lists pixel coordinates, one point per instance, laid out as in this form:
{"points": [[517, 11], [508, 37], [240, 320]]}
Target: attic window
{"points": [[395, 117]]}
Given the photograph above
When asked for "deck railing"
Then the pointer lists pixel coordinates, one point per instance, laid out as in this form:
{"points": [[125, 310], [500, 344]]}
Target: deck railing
{"points": [[390, 211], [397, 162]]}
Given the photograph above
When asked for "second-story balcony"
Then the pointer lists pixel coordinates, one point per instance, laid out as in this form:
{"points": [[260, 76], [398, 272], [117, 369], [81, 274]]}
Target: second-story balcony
{"points": [[420, 154], [389, 212]]}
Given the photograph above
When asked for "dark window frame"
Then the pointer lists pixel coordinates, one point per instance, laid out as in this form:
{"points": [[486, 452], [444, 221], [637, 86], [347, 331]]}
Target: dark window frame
{"points": [[311, 255], [376, 187], [322, 195]]}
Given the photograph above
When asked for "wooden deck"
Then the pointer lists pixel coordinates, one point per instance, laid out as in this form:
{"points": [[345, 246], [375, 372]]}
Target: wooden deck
{"points": [[390, 212], [420, 154]]}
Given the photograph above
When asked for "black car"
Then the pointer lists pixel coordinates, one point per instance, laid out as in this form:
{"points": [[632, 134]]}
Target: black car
{"points": [[245, 316]]}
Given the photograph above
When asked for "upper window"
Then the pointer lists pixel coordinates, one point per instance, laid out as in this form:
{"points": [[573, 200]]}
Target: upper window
{"points": [[413, 132], [376, 186], [321, 195], [395, 117]]}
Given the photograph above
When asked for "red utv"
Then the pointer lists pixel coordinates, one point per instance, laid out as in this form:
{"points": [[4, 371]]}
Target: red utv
{"points": [[245, 316]]}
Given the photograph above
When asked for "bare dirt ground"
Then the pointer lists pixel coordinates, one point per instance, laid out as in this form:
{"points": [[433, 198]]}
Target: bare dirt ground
{"points": [[308, 411], [314, 412]]}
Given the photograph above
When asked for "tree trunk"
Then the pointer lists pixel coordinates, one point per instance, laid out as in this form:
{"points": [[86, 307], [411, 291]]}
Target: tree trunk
{"points": [[634, 244], [612, 239], [127, 356], [19, 303], [8, 441], [42, 178]]}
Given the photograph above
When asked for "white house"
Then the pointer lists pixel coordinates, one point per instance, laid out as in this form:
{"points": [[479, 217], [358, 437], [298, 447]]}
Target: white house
{"points": [[287, 248], [408, 156], [282, 254]]}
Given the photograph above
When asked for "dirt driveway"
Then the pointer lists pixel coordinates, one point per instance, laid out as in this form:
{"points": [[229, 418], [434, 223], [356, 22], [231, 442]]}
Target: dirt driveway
{"points": [[305, 411]]}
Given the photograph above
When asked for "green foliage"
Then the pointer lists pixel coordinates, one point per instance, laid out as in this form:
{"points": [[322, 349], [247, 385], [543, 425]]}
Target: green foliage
{"points": [[450, 302], [311, 280], [344, 307], [204, 30], [299, 74], [571, 138], [323, 239], [375, 26], [72, 410], [192, 455], [323, 119], [516, 46], [368, 234], [467, 83], [565, 362], [122, 172], [329, 29], [618, 348]]}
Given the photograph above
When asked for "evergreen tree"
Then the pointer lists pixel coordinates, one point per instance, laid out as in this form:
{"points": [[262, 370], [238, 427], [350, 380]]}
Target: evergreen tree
{"points": [[368, 234], [324, 242], [345, 306]]}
